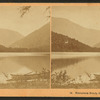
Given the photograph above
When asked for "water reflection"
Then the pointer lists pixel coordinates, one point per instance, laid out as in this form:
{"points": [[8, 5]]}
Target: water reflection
{"points": [[14, 64], [65, 62], [20, 65], [79, 69]]}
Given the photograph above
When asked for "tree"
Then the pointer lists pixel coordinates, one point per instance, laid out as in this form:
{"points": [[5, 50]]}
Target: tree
{"points": [[25, 9]]}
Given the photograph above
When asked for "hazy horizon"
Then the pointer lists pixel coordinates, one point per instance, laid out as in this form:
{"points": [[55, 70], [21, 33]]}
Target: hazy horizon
{"points": [[35, 18], [85, 16], [77, 23]]}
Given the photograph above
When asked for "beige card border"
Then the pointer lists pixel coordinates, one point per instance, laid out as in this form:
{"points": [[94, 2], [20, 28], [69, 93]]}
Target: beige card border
{"points": [[50, 92]]}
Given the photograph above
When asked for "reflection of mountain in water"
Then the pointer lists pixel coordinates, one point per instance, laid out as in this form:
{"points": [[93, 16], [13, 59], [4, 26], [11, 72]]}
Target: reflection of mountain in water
{"points": [[83, 72], [60, 63], [14, 64], [85, 67], [34, 62]]}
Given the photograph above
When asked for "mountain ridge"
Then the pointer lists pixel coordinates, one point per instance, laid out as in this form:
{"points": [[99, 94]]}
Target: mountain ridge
{"points": [[62, 43], [7, 36], [73, 30], [38, 39], [97, 45]]}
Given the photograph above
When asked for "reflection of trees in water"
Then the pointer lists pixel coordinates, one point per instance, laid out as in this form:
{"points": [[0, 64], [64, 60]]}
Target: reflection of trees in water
{"points": [[35, 63], [60, 63], [61, 80], [22, 64]]}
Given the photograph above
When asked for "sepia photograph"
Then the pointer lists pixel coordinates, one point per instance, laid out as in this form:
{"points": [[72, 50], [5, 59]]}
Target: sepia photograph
{"points": [[75, 48], [24, 47], [24, 29], [50, 49]]}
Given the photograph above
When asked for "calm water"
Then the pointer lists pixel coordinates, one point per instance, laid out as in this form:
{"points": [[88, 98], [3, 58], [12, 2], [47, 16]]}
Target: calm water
{"points": [[77, 64], [22, 63]]}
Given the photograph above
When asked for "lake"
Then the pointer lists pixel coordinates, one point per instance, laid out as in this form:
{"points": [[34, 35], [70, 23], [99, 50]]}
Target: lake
{"points": [[22, 63], [76, 64]]}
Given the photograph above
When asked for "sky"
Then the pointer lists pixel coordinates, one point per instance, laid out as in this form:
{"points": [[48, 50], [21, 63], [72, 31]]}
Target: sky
{"points": [[86, 16], [31, 21]]}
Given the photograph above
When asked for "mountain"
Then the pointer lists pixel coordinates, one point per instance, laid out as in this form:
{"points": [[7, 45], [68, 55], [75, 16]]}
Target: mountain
{"points": [[7, 37], [2, 48], [62, 43], [39, 39], [97, 45], [73, 30]]}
